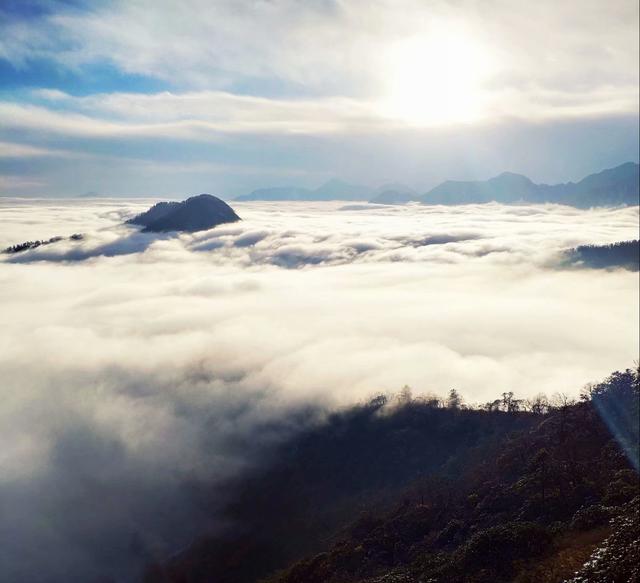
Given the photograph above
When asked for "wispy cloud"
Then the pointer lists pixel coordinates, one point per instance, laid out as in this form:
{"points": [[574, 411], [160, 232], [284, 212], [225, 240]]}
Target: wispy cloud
{"points": [[331, 44], [195, 116], [9, 183], [18, 150], [588, 60], [314, 87]]}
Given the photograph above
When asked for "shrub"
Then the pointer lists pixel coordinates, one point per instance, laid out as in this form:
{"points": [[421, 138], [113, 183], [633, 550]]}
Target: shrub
{"points": [[590, 517], [498, 547]]}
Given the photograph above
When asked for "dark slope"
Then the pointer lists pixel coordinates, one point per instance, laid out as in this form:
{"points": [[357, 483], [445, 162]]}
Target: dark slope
{"points": [[538, 511], [625, 254], [197, 213], [319, 481], [612, 187], [431, 494], [155, 213]]}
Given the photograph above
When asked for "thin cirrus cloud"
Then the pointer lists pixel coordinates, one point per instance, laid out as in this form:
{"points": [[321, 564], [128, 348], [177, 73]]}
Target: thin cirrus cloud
{"points": [[196, 116]]}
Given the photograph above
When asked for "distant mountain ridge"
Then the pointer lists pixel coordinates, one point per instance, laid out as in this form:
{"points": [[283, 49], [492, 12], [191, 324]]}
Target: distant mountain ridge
{"points": [[394, 193], [393, 197], [197, 213], [332, 190], [612, 187]]}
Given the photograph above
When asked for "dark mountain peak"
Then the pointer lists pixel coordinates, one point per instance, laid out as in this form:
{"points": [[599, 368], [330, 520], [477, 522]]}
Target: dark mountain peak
{"points": [[200, 197], [197, 213]]}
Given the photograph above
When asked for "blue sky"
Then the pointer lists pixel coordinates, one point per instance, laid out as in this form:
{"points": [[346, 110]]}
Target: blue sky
{"points": [[173, 98]]}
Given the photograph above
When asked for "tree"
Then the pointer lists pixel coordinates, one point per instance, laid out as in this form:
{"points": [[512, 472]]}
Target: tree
{"points": [[454, 400], [509, 404], [538, 405], [405, 396]]}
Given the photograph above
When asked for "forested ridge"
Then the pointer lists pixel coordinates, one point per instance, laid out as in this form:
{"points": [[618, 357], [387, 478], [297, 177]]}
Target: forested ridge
{"points": [[625, 254], [424, 490]]}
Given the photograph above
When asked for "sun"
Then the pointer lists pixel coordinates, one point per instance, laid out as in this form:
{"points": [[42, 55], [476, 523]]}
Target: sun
{"points": [[436, 79]]}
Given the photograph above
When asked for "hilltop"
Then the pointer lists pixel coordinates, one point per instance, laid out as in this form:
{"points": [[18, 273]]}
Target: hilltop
{"points": [[197, 213]]}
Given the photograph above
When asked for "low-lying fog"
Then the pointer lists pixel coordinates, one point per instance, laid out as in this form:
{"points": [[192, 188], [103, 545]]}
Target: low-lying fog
{"points": [[133, 365]]}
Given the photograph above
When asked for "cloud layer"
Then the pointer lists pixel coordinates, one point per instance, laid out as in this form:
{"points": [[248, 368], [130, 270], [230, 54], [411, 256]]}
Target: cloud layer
{"points": [[139, 370]]}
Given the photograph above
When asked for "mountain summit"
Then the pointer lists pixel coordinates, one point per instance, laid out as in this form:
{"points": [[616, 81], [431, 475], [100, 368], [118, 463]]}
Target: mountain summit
{"points": [[197, 213]]}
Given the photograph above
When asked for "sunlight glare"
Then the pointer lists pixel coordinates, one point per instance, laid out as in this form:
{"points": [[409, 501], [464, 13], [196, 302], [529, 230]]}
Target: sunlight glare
{"points": [[436, 79]]}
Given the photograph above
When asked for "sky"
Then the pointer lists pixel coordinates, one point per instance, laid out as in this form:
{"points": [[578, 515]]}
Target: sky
{"points": [[137, 367], [158, 98]]}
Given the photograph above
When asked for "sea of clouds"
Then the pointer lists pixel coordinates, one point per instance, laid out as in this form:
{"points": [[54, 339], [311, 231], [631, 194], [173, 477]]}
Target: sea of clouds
{"points": [[140, 370]]}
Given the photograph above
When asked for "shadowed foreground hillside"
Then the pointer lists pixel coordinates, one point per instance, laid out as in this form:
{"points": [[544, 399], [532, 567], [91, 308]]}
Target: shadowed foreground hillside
{"points": [[420, 490]]}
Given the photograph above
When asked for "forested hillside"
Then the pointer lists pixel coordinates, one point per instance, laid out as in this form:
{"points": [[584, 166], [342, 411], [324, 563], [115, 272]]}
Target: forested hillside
{"points": [[625, 254], [424, 490]]}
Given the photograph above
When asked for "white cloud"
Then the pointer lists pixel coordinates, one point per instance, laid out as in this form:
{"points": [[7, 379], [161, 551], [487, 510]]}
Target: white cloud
{"points": [[547, 60], [17, 150], [10, 182], [477, 245], [194, 116], [135, 370]]}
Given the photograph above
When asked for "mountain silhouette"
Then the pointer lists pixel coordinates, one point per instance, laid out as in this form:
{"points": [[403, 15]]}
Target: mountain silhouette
{"points": [[197, 213], [334, 189], [612, 187]]}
